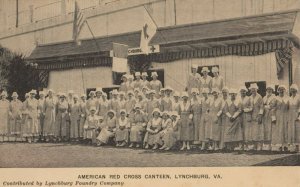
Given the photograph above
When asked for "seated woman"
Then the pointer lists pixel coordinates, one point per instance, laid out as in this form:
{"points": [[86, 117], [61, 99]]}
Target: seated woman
{"points": [[153, 129], [167, 138], [90, 126], [108, 129], [122, 131], [137, 126]]}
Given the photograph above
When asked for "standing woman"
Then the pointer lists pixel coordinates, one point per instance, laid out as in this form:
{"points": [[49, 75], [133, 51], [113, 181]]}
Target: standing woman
{"points": [[130, 83], [41, 114], [49, 110], [150, 105], [196, 108], [137, 127], [114, 103], [123, 86], [83, 116], [15, 108], [293, 130], [92, 101], [33, 130], [103, 107], [4, 110], [257, 129], [155, 84], [75, 112], [153, 128], [205, 104], [61, 118], [129, 105], [138, 82], [217, 81], [233, 135], [247, 108], [122, 100], [279, 130], [193, 79], [205, 80], [213, 128], [145, 82], [225, 98], [167, 101], [186, 128], [269, 114]]}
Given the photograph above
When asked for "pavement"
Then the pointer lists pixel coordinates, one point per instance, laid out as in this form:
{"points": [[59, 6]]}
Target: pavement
{"points": [[64, 155]]}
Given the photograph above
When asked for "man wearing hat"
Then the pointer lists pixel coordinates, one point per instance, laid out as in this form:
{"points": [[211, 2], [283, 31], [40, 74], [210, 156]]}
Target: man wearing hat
{"points": [[155, 84], [193, 79], [15, 115], [205, 80], [4, 111], [269, 114], [217, 81], [257, 129], [138, 127]]}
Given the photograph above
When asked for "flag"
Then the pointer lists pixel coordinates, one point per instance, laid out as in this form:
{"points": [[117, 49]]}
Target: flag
{"points": [[148, 31], [119, 65], [79, 20]]}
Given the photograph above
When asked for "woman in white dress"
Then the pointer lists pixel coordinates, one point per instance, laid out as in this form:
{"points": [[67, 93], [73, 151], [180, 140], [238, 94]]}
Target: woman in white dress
{"points": [[217, 81], [15, 116], [4, 109], [122, 130], [153, 128], [205, 80], [108, 129], [155, 84], [293, 130]]}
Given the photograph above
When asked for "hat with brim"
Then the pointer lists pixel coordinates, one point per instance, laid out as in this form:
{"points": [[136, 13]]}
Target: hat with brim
{"points": [[184, 95], [83, 95], [137, 74], [104, 94], [194, 66], [92, 93], [205, 90], [205, 69], [176, 94], [130, 93], [233, 91], [42, 93], [253, 86], [123, 111], [215, 70], [165, 113], [281, 87], [137, 106], [115, 92], [174, 113], [62, 95], [225, 89], [145, 74], [154, 74], [156, 110], [243, 88], [270, 86], [215, 90], [152, 92], [168, 88], [32, 92], [295, 87], [75, 96], [124, 76], [93, 108], [14, 94], [121, 93], [195, 90], [26, 95], [111, 112], [99, 89]]}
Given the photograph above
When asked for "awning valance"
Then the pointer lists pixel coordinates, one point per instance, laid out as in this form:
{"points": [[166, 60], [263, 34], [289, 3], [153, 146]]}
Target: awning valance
{"points": [[90, 52], [259, 28]]}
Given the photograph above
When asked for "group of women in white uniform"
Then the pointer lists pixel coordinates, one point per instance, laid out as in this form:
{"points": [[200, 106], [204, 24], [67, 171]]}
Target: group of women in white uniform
{"points": [[207, 116]]}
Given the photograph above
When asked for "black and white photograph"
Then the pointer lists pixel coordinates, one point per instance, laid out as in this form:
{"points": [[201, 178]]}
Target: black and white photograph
{"points": [[149, 83]]}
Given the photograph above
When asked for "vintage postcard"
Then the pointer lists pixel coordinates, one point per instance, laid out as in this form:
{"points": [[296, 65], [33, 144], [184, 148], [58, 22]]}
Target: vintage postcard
{"points": [[149, 93]]}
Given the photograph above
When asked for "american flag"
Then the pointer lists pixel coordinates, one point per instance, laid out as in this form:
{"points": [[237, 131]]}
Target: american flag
{"points": [[79, 20]]}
